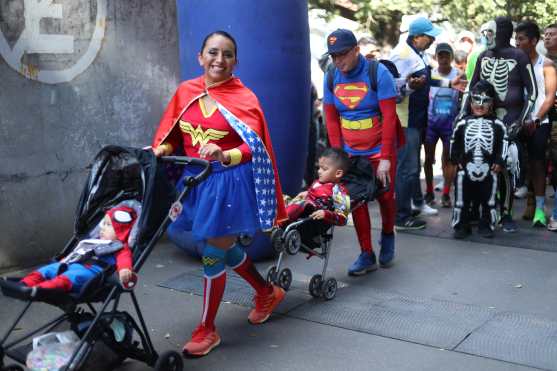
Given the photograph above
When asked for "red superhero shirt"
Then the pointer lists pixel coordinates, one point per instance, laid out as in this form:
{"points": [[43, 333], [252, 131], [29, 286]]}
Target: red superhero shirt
{"points": [[198, 126], [333, 198], [237, 99]]}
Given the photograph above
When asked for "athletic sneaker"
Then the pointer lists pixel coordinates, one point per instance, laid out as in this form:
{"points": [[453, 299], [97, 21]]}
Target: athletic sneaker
{"points": [[203, 340], [410, 224], [427, 210], [429, 198], [552, 225], [521, 192], [539, 219], [446, 201], [387, 254], [365, 263], [264, 305], [508, 224]]}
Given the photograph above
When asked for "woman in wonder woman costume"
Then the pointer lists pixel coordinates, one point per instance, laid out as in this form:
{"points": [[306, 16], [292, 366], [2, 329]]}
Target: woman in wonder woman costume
{"points": [[217, 118]]}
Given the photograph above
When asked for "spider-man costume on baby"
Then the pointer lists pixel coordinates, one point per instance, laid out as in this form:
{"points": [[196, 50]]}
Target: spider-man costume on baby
{"points": [[72, 276]]}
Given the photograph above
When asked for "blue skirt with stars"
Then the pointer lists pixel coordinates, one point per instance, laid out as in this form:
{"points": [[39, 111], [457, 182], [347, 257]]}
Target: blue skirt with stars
{"points": [[222, 205]]}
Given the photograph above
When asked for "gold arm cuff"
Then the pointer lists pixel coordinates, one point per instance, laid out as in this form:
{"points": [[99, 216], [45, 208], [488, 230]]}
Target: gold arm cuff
{"points": [[167, 148], [235, 156]]}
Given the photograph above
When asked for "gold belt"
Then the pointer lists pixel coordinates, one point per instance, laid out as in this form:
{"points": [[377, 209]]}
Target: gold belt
{"points": [[357, 124]]}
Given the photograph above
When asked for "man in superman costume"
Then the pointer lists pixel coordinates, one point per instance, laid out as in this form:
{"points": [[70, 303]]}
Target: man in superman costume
{"points": [[363, 122], [217, 118]]}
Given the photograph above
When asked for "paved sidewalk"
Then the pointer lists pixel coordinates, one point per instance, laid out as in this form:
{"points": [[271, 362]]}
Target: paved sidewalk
{"points": [[445, 305]]}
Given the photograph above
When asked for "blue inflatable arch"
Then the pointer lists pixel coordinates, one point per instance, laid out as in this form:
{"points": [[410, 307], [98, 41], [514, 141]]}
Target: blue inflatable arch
{"points": [[274, 61]]}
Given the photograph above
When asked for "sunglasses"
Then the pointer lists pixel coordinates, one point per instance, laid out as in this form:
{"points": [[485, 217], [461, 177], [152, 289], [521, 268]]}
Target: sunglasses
{"points": [[481, 99]]}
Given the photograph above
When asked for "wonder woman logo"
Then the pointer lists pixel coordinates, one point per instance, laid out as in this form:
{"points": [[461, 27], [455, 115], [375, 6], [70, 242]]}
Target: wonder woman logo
{"points": [[351, 94], [199, 136], [208, 261]]}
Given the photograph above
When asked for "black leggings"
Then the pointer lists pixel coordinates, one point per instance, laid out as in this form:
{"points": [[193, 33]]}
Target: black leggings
{"points": [[468, 192]]}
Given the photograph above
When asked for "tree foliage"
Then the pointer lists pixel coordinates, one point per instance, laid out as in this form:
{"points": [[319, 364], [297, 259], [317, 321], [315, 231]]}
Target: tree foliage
{"points": [[383, 17]]}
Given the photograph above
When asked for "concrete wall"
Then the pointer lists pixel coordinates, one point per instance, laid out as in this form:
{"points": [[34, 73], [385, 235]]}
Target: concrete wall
{"points": [[49, 133]]}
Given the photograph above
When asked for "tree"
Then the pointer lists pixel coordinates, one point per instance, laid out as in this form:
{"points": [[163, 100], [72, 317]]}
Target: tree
{"points": [[383, 17]]}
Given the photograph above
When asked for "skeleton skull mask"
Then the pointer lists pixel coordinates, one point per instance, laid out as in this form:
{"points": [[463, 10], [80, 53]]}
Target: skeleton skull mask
{"points": [[488, 31]]}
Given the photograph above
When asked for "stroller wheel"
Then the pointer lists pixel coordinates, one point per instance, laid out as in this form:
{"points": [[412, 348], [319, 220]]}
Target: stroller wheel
{"points": [[12, 368], [315, 285], [285, 279], [169, 361], [276, 239], [293, 242], [329, 288], [272, 274]]}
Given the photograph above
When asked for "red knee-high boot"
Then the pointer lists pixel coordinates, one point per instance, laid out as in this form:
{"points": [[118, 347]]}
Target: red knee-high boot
{"points": [[212, 296], [362, 224], [247, 271]]}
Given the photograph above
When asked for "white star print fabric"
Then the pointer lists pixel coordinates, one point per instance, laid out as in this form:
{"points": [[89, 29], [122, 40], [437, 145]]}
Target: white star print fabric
{"points": [[263, 175]]}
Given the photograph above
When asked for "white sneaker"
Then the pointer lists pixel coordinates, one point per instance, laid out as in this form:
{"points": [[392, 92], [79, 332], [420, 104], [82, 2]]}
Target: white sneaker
{"points": [[439, 186], [552, 225], [521, 192], [425, 209], [428, 210]]}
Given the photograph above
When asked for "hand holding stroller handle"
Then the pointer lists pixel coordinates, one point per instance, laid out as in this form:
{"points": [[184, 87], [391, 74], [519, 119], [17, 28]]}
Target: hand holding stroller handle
{"points": [[185, 160]]}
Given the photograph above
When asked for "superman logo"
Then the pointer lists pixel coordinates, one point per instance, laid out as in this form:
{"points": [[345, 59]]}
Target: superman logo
{"points": [[351, 94]]}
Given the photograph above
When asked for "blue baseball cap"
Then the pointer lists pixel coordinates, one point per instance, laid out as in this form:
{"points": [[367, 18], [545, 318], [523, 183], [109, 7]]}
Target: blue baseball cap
{"points": [[423, 26], [340, 40]]}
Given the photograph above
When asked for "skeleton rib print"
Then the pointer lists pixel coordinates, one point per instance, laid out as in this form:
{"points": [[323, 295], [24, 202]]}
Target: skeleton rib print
{"points": [[478, 139], [496, 71]]}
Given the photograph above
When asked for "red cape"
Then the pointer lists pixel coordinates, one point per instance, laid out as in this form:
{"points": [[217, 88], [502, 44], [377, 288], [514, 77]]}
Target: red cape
{"points": [[236, 98]]}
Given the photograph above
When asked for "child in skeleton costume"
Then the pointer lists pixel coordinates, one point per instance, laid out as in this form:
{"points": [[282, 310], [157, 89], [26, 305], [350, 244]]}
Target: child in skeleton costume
{"points": [[510, 72], [90, 255], [478, 148]]}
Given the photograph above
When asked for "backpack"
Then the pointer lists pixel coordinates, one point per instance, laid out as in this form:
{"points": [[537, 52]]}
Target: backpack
{"points": [[443, 106], [373, 63]]}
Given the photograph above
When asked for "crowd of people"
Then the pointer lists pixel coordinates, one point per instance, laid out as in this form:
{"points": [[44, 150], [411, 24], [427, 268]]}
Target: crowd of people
{"points": [[491, 105]]}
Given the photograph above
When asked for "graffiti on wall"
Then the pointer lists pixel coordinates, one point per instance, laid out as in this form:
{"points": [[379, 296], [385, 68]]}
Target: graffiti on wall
{"points": [[51, 42]]}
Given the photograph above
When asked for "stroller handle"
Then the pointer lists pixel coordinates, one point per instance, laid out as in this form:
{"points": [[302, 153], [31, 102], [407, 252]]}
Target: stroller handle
{"points": [[186, 160]]}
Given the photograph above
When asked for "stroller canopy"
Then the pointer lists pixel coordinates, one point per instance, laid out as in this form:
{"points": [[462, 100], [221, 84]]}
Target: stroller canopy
{"points": [[122, 173]]}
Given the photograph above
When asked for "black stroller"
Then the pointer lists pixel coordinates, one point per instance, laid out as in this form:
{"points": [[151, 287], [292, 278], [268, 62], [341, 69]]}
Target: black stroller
{"points": [[118, 176], [314, 236]]}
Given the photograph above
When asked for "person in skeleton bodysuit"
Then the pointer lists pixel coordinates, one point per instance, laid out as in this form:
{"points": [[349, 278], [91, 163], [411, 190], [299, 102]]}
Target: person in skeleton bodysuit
{"points": [[478, 148], [510, 72]]}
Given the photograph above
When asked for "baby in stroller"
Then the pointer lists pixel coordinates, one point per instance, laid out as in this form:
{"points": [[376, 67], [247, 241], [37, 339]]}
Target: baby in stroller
{"points": [[122, 213], [91, 255], [311, 215]]}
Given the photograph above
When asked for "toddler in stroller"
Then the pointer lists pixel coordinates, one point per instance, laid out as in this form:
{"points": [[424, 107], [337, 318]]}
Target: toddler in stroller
{"points": [[88, 258], [126, 202], [311, 217]]}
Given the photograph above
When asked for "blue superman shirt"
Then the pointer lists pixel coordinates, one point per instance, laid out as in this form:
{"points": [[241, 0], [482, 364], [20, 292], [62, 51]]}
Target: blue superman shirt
{"points": [[352, 97]]}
